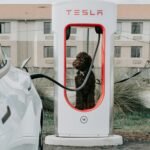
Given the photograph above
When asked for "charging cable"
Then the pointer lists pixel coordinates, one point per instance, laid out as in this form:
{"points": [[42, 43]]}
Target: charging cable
{"points": [[36, 76]]}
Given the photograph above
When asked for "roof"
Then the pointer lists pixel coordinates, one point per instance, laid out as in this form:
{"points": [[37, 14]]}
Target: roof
{"points": [[43, 11], [134, 11], [25, 11]]}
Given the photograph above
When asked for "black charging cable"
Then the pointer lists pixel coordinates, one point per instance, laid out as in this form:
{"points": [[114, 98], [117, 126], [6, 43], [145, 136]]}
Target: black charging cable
{"points": [[136, 74], [36, 76], [126, 79]]}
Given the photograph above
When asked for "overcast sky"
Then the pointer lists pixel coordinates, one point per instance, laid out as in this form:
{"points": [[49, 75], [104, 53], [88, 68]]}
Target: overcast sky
{"points": [[49, 1]]}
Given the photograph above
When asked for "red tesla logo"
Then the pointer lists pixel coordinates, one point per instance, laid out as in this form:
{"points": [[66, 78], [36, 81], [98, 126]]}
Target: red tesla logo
{"points": [[84, 12]]}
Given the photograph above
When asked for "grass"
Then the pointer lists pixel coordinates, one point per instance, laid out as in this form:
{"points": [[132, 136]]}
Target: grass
{"points": [[137, 122], [131, 119], [48, 123], [133, 122]]}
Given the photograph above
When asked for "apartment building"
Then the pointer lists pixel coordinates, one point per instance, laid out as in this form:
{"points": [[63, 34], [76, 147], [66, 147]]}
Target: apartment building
{"points": [[132, 39], [25, 31]]}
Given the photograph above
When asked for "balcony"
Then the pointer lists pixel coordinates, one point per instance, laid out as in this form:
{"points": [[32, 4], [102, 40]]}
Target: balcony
{"points": [[129, 62], [137, 62], [117, 37], [137, 37]]}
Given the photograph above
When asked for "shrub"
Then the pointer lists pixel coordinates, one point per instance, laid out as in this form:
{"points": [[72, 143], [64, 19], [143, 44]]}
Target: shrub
{"points": [[126, 98], [48, 102]]}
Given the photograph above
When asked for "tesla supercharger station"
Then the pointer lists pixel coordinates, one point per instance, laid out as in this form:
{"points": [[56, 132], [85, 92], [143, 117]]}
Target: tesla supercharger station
{"points": [[72, 124]]}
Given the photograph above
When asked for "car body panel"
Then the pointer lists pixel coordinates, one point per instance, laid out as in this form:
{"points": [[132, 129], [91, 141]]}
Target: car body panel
{"points": [[22, 127]]}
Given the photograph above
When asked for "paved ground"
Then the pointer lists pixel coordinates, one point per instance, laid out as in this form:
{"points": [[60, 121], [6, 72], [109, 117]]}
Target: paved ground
{"points": [[126, 146]]}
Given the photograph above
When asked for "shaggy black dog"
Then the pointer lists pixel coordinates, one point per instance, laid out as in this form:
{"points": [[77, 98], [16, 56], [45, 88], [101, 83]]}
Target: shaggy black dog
{"points": [[85, 96]]}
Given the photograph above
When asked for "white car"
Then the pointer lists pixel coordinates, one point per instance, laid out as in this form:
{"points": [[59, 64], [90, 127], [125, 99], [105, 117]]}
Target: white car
{"points": [[20, 110]]}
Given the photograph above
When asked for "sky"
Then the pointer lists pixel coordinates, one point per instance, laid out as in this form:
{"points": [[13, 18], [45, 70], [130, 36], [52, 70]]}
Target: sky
{"points": [[49, 1]]}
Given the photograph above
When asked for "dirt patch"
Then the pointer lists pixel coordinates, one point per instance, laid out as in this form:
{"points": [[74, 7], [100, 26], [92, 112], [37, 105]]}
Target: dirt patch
{"points": [[125, 146], [134, 136], [132, 141]]}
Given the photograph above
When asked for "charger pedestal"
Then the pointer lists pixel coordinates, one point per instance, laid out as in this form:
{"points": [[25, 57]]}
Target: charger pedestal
{"points": [[112, 140], [87, 127]]}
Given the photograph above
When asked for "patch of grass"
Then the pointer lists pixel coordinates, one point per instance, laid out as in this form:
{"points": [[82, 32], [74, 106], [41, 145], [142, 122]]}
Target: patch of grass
{"points": [[133, 122], [129, 123], [48, 103], [48, 123]]}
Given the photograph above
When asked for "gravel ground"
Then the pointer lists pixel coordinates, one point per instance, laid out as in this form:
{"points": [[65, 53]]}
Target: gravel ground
{"points": [[132, 141], [125, 146]]}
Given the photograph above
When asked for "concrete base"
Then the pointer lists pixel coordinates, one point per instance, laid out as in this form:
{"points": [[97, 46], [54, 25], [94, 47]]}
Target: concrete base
{"points": [[84, 142]]}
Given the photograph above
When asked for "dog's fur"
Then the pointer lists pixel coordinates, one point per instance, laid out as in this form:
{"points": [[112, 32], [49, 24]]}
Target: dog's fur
{"points": [[84, 97]]}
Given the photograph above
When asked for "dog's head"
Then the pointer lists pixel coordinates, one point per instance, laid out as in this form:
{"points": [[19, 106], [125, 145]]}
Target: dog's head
{"points": [[82, 61]]}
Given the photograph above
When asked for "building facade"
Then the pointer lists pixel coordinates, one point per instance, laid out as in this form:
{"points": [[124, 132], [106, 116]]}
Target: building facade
{"points": [[132, 39], [25, 31]]}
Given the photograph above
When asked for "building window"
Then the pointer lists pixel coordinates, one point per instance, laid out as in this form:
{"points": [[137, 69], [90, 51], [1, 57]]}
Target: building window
{"points": [[119, 27], [73, 30], [137, 27], [6, 50], [117, 51], [71, 51], [48, 51], [136, 51], [4, 27], [47, 27], [70, 77]]}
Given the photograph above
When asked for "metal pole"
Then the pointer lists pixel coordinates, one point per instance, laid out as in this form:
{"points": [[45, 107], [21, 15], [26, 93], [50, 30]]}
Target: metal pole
{"points": [[88, 34]]}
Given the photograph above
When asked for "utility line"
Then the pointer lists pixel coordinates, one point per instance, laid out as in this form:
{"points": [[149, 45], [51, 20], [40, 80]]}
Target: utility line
{"points": [[134, 39], [132, 33]]}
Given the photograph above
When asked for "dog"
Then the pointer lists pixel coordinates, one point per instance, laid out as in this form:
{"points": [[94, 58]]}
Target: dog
{"points": [[85, 96]]}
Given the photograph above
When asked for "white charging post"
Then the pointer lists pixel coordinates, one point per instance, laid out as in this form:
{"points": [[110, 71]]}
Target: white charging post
{"points": [[75, 127]]}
